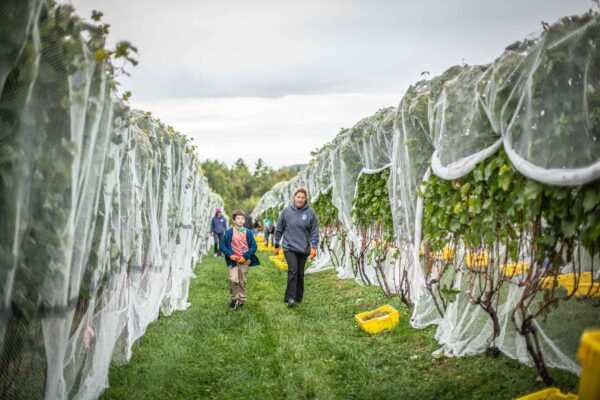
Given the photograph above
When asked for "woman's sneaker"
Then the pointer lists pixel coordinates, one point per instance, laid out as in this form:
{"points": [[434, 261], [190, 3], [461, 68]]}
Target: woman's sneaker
{"points": [[233, 304]]}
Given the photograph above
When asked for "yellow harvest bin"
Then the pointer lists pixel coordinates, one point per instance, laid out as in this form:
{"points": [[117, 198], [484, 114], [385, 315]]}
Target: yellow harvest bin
{"points": [[549, 394], [583, 288], [585, 284], [589, 355], [281, 264], [477, 259], [585, 277], [264, 248], [378, 324], [548, 282], [514, 268], [445, 254]]}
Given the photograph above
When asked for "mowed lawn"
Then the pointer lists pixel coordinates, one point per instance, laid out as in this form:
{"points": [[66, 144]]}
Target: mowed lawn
{"points": [[314, 351]]}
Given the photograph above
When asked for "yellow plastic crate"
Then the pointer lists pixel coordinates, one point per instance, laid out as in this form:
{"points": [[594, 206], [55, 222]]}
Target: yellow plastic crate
{"points": [[583, 289], [548, 282], [281, 264], [264, 248], [445, 254], [585, 277], [376, 325], [585, 284], [514, 268], [279, 257], [477, 259], [589, 355], [549, 394]]}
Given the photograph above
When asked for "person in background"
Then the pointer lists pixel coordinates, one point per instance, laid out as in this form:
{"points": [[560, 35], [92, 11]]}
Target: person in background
{"points": [[248, 223], [300, 229], [268, 231], [218, 226], [257, 227], [239, 247]]}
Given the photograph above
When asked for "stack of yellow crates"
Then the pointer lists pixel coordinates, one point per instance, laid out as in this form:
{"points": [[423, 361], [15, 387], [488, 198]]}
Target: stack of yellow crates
{"points": [[585, 284], [477, 260], [514, 268], [589, 380]]}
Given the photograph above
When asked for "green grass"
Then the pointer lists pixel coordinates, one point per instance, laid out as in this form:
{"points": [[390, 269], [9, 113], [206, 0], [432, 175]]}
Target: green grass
{"points": [[314, 351]]}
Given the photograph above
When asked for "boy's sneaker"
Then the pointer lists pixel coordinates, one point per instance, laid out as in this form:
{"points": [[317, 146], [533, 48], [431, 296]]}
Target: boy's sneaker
{"points": [[233, 304], [291, 303]]}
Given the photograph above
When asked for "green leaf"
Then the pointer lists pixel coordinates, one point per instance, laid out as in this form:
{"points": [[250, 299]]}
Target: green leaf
{"points": [[114, 251], [505, 181], [568, 227], [590, 199], [449, 294], [454, 225], [97, 15], [465, 188], [71, 147], [101, 55], [84, 293], [532, 190], [504, 169], [458, 208]]}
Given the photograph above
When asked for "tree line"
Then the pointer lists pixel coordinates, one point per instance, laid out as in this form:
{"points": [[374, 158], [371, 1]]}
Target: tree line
{"points": [[240, 188]]}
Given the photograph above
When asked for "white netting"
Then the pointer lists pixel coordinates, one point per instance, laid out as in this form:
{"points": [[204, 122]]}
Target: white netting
{"points": [[539, 102], [104, 210]]}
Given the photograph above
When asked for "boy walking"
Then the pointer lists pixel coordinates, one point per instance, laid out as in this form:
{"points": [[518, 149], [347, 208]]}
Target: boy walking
{"points": [[239, 246]]}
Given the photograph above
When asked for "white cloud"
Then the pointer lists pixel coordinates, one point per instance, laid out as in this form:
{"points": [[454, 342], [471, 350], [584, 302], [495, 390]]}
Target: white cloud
{"points": [[282, 131], [272, 48]]}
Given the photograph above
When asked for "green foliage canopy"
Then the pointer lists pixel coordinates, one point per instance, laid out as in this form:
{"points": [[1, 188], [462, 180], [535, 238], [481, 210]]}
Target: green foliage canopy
{"points": [[238, 186]]}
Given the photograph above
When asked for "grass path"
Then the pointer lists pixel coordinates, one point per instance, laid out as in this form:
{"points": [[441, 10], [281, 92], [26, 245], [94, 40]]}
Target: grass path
{"points": [[315, 351]]}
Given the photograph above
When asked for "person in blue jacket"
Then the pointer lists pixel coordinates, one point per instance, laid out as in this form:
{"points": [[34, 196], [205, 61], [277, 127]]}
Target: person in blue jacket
{"points": [[239, 246], [218, 226]]}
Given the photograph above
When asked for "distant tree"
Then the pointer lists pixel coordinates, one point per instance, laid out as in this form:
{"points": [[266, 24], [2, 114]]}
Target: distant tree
{"points": [[239, 188]]}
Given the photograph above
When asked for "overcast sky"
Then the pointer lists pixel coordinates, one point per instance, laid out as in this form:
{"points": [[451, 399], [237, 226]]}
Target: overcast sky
{"points": [[276, 79]]}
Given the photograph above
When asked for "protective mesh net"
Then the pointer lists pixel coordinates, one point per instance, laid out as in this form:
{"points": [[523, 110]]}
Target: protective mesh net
{"points": [[538, 104], [104, 210]]}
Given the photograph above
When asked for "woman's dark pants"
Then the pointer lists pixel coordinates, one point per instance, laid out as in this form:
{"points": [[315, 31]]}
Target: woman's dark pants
{"points": [[295, 283]]}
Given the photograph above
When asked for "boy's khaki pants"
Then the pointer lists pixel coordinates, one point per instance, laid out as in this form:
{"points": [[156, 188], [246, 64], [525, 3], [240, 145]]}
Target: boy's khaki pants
{"points": [[237, 281]]}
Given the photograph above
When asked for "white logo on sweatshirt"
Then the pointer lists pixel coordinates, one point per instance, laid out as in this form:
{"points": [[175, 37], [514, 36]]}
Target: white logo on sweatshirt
{"points": [[303, 217]]}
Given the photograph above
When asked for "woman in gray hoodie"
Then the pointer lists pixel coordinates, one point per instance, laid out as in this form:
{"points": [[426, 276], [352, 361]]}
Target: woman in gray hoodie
{"points": [[299, 227]]}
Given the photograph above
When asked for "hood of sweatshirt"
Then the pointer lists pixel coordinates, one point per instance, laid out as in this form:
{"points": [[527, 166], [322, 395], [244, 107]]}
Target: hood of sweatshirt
{"points": [[304, 207]]}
